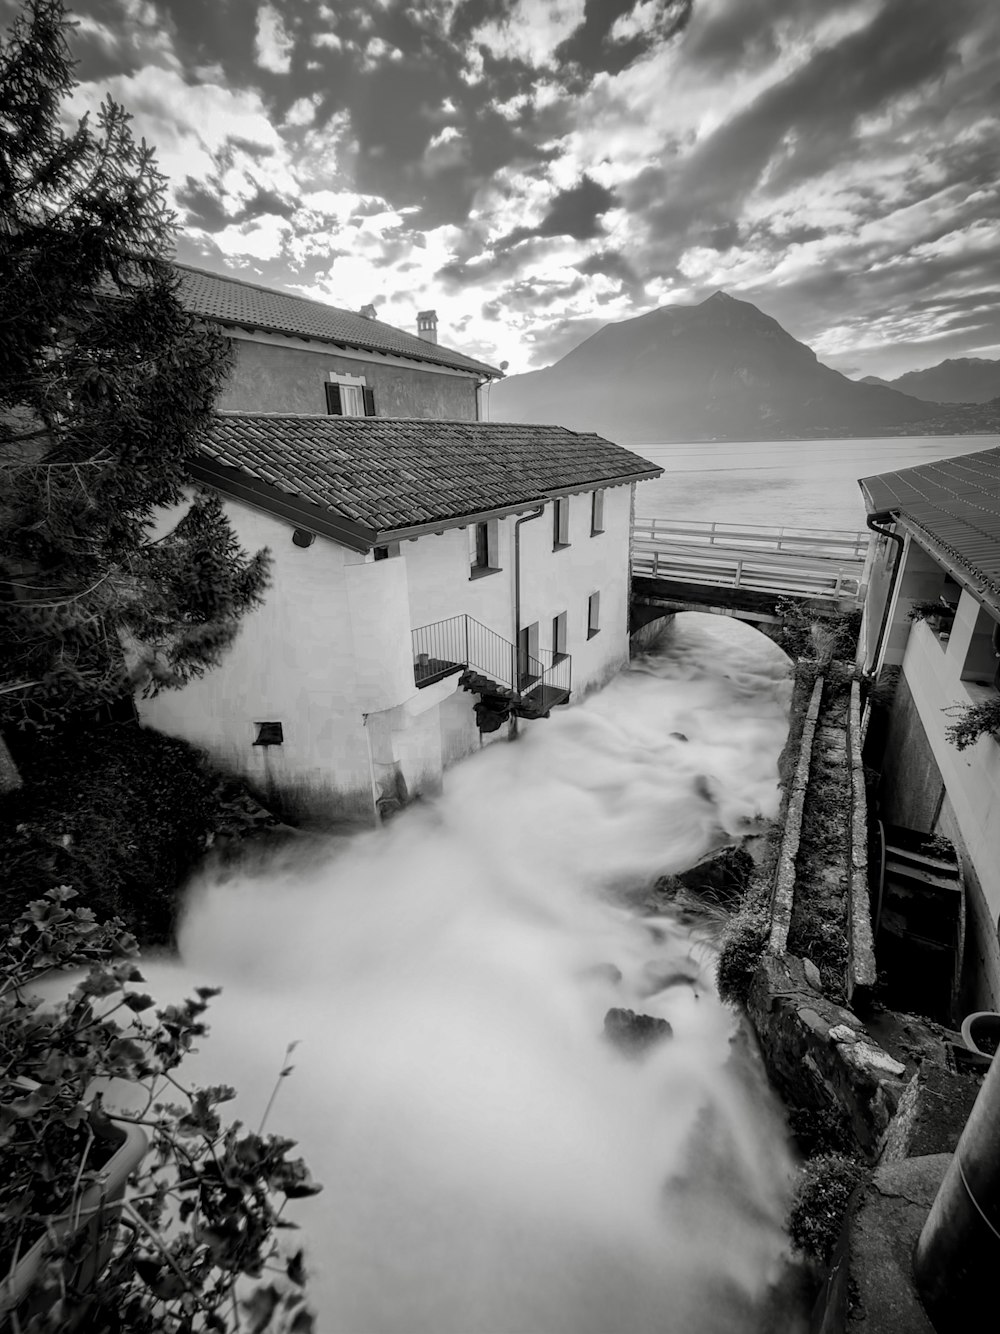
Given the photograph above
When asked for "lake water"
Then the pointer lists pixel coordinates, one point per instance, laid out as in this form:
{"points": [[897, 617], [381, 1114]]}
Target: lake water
{"points": [[794, 483]]}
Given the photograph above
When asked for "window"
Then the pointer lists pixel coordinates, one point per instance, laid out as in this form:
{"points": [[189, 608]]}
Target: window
{"points": [[597, 513], [593, 615], [268, 734], [386, 552], [559, 637], [560, 523], [349, 396], [484, 548]]}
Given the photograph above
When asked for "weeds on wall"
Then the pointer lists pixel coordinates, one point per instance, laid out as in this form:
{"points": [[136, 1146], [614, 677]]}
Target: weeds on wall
{"points": [[825, 1186]]}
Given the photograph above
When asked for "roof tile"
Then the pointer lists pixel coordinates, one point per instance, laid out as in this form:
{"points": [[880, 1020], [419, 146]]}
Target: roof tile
{"points": [[955, 501], [390, 473], [233, 301]]}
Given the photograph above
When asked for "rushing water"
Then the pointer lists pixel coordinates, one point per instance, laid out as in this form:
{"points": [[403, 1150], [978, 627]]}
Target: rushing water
{"points": [[491, 1164]]}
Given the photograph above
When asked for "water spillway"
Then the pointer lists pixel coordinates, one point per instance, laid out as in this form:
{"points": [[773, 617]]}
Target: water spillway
{"points": [[492, 1163]]}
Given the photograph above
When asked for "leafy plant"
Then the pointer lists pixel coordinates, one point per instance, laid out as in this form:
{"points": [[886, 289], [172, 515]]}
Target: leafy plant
{"points": [[932, 609], [973, 721], [106, 384], [825, 1186], [203, 1212], [804, 634]]}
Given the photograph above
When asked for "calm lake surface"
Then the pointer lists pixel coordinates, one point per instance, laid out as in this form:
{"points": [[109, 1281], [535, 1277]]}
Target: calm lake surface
{"points": [[795, 483]]}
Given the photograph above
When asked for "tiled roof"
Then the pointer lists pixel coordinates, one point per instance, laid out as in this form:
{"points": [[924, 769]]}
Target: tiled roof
{"points": [[955, 502], [232, 301], [387, 473]]}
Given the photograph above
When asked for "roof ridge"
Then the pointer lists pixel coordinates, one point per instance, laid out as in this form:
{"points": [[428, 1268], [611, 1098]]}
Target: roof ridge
{"points": [[415, 421], [273, 291]]}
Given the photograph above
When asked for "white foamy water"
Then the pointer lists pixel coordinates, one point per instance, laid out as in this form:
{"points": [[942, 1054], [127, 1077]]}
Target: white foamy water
{"points": [[491, 1164]]}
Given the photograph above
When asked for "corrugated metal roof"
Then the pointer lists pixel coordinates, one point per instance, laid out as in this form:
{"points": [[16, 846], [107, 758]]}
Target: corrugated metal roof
{"points": [[247, 305], [955, 502], [393, 473]]}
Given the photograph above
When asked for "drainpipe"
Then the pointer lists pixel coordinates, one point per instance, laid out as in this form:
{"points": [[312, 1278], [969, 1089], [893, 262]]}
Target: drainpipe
{"points": [[872, 521], [957, 1255], [525, 518]]}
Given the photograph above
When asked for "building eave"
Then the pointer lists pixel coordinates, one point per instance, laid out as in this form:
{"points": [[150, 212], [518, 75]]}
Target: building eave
{"points": [[968, 578], [293, 509]]}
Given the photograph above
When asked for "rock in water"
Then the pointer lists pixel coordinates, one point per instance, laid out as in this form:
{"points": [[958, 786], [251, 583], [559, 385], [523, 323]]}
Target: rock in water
{"points": [[634, 1033]]}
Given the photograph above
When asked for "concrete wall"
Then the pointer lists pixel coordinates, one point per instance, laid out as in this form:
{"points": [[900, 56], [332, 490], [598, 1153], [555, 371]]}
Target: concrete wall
{"points": [[273, 375], [928, 783]]}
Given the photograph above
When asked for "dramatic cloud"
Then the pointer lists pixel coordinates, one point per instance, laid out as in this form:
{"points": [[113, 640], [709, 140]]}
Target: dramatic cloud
{"points": [[536, 168]]}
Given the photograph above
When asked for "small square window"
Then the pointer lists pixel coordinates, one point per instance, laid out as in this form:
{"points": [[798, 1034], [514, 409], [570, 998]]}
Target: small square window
{"points": [[597, 513], [268, 734], [593, 615]]}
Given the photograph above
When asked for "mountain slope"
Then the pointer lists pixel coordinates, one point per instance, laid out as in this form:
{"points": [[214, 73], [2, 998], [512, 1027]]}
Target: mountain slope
{"points": [[957, 380], [719, 370]]}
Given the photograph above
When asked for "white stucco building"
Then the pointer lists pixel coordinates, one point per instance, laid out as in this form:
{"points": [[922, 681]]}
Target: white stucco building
{"points": [[432, 581], [940, 554]]}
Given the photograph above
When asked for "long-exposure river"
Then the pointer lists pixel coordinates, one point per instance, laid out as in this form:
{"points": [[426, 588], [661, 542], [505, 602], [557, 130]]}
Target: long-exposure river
{"points": [[491, 1164]]}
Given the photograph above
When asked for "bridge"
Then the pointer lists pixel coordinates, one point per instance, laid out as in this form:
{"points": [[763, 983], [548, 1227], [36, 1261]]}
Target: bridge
{"points": [[742, 569]]}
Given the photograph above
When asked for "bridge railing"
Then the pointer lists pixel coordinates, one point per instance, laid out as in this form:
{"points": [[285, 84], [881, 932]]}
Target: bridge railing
{"points": [[818, 563], [848, 544]]}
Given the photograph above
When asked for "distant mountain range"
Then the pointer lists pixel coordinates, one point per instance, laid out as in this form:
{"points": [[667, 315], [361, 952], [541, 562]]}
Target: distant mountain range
{"points": [[958, 380], [721, 370]]}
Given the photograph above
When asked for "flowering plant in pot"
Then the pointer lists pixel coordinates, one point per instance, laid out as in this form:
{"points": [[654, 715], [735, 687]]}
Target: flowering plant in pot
{"points": [[190, 1246], [973, 721], [939, 615]]}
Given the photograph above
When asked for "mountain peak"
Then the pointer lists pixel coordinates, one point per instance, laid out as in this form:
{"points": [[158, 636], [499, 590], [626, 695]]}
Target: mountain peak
{"points": [[718, 297]]}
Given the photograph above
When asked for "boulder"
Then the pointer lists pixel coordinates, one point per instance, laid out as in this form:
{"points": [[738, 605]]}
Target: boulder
{"points": [[634, 1033]]}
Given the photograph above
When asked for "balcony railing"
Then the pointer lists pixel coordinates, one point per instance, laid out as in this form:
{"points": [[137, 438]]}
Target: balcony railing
{"points": [[462, 643]]}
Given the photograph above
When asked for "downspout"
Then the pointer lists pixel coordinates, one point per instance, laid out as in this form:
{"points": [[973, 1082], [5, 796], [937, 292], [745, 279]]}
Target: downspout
{"points": [[525, 518], [872, 521]]}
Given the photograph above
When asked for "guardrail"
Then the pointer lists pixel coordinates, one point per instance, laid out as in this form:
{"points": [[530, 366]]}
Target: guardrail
{"points": [[808, 562], [460, 642]]}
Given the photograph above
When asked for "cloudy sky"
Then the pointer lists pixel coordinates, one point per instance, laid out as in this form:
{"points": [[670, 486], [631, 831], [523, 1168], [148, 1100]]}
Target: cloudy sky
{"points": [[534, 169]]}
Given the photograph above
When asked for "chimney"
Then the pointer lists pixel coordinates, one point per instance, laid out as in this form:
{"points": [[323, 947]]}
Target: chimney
{"points": [[367, 312], [427, 325]]}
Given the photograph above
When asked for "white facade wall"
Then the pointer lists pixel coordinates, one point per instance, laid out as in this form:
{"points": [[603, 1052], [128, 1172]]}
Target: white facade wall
{"points": [[552, 581], [329, 655], [971, 777]]}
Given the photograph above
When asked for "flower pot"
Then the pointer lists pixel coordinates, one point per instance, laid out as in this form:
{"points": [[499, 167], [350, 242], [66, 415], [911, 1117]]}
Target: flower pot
{"points": [[95, 1219], [981, 1032]]}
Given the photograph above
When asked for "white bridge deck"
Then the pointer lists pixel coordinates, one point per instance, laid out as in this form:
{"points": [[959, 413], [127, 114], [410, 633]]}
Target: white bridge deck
{"points": [[804, 562]]}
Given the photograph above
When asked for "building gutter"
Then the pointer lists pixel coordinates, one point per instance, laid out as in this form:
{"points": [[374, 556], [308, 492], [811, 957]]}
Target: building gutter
{"points": [[386, 535], [872, 521]]}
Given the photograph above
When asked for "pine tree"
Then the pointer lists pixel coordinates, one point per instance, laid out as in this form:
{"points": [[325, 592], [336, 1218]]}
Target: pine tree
{"points": [[105, 384]]}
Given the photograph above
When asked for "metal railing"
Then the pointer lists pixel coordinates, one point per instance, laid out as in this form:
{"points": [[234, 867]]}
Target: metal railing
{"points": [[818, 563], [460, 642]]}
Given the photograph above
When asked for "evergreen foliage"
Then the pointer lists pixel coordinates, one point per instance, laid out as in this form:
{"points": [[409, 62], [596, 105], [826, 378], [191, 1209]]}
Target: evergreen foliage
{"points": [[824, 1189], [105, 384], [123, 814], [973, 721]]}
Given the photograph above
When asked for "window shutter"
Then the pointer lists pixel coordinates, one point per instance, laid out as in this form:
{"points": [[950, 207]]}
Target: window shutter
{"points": [[369, 401], [333, 400]]}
